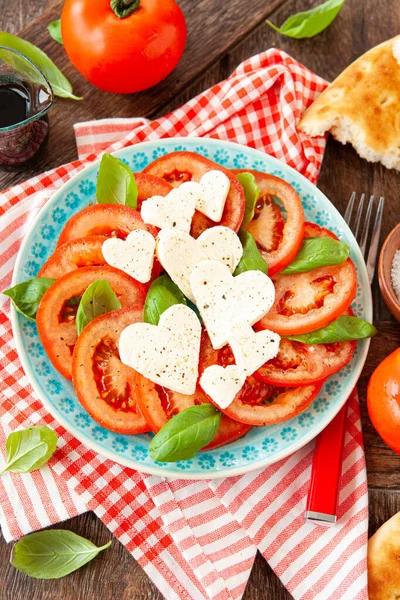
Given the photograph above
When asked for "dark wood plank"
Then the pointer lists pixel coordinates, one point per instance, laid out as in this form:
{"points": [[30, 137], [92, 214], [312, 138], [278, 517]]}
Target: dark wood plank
{"points": [[213, 27], [358, 27], [112, 574]]}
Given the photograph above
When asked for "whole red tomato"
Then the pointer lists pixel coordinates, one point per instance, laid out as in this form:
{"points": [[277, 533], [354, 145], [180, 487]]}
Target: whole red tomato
{"points": [[383, 398], [119, 52]]}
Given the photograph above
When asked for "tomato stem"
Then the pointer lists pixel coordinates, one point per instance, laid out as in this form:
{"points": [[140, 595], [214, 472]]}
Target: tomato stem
{"points": [[123, 8]]}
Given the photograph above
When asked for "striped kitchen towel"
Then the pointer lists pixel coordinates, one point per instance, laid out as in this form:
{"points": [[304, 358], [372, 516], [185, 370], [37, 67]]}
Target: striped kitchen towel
{"points": [[195, 539]]}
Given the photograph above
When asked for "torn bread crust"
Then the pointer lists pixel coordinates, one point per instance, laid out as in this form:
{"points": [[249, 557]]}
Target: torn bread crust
{"points": [[383, 561], [362, 106]]}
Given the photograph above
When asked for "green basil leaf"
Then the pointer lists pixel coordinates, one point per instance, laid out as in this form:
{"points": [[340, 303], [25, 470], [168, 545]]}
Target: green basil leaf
{"points": [[59, 83], [53, 553], [318, 252], [29, 449], [251, 259], [344, 329], [162, 294], [98, 299], [251, 192], [185, 434], [116, 183], [308, 23], [27, 296], [54, 29]]}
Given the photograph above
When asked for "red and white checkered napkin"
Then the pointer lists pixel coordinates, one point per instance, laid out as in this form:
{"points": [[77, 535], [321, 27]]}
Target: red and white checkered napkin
{"points": [[196, 540]]}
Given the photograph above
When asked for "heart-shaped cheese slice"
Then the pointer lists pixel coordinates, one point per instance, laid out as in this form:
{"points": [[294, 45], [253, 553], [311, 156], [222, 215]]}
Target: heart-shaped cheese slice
{"points": [[175, 210], [222, 383], [135, 255], [224, 300], [250, 349], [214, 189], [179, 253], [167, 353]]}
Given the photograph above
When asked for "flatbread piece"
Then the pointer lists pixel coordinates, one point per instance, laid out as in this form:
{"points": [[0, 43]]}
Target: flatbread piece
{"points": [[362, 106]]}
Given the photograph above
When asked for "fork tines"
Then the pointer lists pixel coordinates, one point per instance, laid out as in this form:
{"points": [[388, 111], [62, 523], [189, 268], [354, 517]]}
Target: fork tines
{"points": [[359, 219]]}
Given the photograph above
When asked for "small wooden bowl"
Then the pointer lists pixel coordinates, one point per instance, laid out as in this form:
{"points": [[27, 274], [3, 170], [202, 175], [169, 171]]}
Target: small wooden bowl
{"points": [[392, 243]]}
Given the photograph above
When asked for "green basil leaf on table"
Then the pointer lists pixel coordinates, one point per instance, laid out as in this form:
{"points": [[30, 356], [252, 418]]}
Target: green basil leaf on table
{"points": [[98, 299], [29, 449], [185, 434], [311, 22], [344, 329], [53, 553], [59, 83], [27, 296], [318, 252], [163, 293], [251, 259], [251, 192], [54, 29], [116, 183]]}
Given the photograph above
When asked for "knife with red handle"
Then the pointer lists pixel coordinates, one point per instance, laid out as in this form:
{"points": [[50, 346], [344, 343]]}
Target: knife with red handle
{"points": [[326, 472]]}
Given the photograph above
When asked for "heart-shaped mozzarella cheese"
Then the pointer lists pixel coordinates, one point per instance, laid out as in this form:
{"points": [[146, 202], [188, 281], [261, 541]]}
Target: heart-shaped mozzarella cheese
{"points": [[175, 210], [135, 255], [224, 300], [214, 189], [167, 353], [222, 383], [250, 349], [179, 253]]}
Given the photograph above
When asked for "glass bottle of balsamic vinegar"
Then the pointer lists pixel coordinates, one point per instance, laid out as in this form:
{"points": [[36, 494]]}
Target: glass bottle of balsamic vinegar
{"points": [[25, 99]]}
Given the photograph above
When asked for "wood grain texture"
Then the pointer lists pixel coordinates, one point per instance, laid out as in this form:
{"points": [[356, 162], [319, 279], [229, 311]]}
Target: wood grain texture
{"points": [[220, 36]]}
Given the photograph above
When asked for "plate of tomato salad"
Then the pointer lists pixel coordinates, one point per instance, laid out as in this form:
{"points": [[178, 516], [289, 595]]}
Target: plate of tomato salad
{"points": [[283, 406]]}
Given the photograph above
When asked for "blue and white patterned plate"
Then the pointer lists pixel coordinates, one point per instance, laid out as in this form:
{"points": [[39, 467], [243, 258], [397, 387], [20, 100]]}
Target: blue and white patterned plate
{"points": [[261, 446]]}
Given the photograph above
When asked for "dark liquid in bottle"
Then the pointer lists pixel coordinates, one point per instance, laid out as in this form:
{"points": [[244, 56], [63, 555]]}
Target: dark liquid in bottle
{"points": [[14, 104]]}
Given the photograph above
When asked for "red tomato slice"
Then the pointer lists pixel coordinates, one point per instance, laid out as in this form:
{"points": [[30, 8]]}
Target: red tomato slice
{"points": [[314, 230], [103, 384], [158, 405], [308, 301], [55, 317], [303, 364], [150, 185], [109, 220], [277, 240], [82, 252], [178, 167], [259, 403]]}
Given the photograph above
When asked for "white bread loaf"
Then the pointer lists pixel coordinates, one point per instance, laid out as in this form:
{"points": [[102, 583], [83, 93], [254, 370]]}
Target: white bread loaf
{"points": [[362, 106]]}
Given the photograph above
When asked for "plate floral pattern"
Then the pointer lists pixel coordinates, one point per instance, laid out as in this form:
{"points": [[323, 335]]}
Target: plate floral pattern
{"points": [[261, 446]]}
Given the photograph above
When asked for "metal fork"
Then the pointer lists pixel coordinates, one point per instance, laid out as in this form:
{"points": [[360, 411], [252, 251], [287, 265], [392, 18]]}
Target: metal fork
{"points": [[376, 231], [327, 462]]}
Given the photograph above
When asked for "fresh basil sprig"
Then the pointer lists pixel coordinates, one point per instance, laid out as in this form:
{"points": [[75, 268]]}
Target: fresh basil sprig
{"points": [[54, 29], [308, 23], [251, 259], [27, 296], [185, 434], [98, 299], [318, 252], [251, 193], [59, 83], [116, 183], [53, 553], [29, 449], [344, 329], [162, 294]]}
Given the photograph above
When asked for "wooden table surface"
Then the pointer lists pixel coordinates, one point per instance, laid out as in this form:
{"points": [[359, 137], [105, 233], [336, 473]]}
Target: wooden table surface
{"points": [[220, 36]]}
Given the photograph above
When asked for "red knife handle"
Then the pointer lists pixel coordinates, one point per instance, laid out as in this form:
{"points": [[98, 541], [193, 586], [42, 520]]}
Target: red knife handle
{"points": [[326, 472]]}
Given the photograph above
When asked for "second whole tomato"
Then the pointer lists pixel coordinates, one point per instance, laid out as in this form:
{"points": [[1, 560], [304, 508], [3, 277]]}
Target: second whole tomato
{"points": [[120, 51], [383, 399]]}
